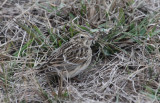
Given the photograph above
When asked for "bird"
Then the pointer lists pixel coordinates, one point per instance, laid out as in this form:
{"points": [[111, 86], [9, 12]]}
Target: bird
{"points": [[72, 58]]}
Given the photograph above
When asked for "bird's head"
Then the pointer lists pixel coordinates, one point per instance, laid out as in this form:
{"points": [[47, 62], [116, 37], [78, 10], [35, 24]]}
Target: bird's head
{"points": [[83, 38]]}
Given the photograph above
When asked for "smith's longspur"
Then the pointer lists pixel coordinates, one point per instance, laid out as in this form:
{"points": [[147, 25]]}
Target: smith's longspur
{"points": [[72, 57]]}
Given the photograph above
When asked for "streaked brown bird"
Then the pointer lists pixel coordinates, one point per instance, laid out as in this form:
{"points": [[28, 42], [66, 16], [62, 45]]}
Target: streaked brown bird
{"points": [[72, 57]]}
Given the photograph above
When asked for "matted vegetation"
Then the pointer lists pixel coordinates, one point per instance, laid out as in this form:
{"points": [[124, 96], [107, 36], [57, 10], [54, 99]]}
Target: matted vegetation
{"points": [[126, 56]]}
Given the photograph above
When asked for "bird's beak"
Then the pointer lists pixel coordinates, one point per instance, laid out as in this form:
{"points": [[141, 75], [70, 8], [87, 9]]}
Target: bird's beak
{"points": [[91, 38]]}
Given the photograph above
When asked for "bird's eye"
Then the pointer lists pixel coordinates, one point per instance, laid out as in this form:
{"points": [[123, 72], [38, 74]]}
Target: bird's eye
{"points": [[82, 37]]}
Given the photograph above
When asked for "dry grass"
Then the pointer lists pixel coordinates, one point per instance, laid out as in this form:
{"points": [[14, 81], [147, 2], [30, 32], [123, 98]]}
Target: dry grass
{"points": [[126, 60]]}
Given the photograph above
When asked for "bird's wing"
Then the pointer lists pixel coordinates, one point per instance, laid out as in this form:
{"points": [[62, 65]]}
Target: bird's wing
{"points": [[56, 58], [67, 55], [76, 55]]}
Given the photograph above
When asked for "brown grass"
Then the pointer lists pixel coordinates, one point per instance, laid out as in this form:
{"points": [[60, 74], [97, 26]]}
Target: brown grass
{"points": [[126, 60]]}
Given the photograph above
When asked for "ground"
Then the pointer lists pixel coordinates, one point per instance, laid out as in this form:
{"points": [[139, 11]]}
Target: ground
{"points": [[126, 55]]}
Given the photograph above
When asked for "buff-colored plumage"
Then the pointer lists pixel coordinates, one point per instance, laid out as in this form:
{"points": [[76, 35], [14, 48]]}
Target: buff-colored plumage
{"points": [[72, 57]]}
